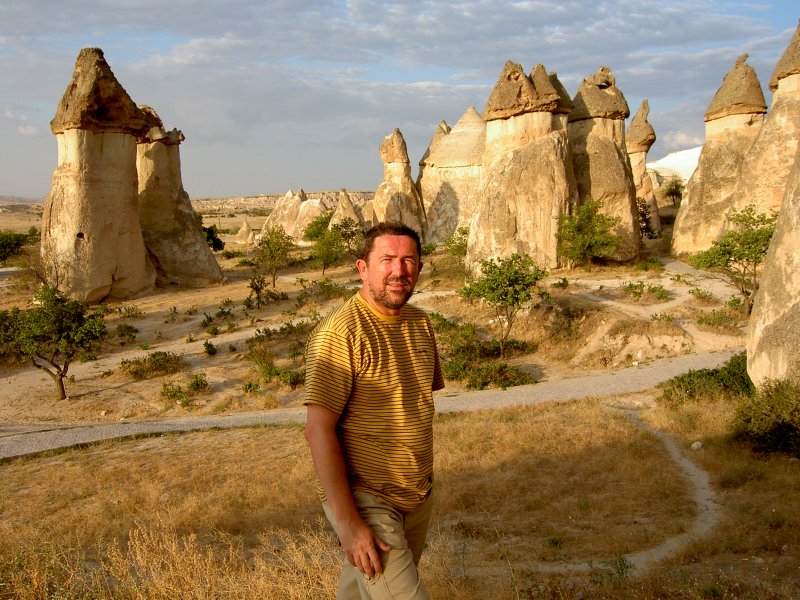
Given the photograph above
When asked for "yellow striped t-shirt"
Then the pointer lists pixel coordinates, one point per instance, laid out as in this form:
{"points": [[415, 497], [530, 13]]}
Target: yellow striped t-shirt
{"points": [[377, 372]]}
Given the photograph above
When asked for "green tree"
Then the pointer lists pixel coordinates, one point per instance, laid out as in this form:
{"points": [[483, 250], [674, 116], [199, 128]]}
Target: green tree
{"points": [[645, 219], [11, 244], [352, 235], [51, 334], [273, 249], [212, 238], [456, 242], [740, 251], [317, 228], [329, 248], [587, 235], [674, 190], [507, 285]]}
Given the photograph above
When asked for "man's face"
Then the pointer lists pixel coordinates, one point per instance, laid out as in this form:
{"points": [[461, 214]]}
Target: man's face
{"points": [[390, 273]]}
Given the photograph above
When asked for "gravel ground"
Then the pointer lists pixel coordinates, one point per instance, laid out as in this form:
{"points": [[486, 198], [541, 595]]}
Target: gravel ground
{"points": [[16, 441]]}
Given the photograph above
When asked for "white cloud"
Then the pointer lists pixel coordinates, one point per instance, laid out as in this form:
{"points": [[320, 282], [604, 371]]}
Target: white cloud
{"points": [[286, 93], [27, 130]]}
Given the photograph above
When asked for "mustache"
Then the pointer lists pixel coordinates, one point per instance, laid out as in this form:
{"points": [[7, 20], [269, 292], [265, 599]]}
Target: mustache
{"points": [[393, 280]]}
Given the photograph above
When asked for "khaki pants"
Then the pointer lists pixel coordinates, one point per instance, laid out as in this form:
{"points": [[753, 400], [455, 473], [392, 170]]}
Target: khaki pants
{"points": [[405, 532]]}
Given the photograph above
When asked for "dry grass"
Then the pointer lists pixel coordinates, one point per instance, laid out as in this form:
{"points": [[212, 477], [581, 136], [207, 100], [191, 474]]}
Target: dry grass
{"points": [[235, 510]]}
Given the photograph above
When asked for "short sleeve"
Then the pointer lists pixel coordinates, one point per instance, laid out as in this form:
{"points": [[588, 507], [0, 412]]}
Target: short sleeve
{"points": [[330, 369]]}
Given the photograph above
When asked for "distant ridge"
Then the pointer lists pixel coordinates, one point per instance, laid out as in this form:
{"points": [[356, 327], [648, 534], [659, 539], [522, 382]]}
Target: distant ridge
{"points": [[19, 200], [683, 162]]}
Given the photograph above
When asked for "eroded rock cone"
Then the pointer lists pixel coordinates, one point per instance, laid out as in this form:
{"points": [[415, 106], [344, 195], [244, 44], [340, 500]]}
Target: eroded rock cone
{"points": [[172, 231], [638, 139], [733, 120], [527, 181], [766, 166], [397, 198], [450, 174], [92, 245], [774, 328], [345, 209], [599, 156]]}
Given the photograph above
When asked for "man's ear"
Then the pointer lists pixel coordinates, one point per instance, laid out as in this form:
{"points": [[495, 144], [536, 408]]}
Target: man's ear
{"points": [[361, 265]]}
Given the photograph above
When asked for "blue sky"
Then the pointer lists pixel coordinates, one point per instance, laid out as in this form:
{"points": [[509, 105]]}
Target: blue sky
{"points": [[283, 94]]}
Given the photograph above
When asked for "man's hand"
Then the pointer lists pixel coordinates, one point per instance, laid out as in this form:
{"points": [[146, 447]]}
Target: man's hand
{"points": [[362, 547]]}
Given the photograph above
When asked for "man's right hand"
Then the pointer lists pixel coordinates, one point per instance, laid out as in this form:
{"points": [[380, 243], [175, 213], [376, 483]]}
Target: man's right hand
{"points": [[362, 547]]}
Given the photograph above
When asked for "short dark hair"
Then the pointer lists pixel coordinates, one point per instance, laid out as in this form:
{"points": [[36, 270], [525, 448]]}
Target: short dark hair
{"points": [[388, 228]]}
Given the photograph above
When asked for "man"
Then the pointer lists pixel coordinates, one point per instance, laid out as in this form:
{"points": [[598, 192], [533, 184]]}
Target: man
{"points": [[372, 366]]}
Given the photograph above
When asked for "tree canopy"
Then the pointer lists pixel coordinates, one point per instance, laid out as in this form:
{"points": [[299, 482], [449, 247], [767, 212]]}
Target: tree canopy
{"points": [[51, 334]]}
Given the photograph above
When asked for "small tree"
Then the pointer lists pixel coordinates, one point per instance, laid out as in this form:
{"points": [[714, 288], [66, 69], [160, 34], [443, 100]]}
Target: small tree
{"points": [[739, 252], [51, 334], [674, 190], [273, 250], [507, 285], [587, 235], [212, 238], [328, 249], [352, 236], [456, 242], [317, 228], [11, 244], [645, 220]]}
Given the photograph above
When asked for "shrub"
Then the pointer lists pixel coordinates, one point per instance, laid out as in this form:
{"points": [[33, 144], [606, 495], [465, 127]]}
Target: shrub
{"points": [[645, 220], [650, 264], [718, 319], [260, 294], [291, 378], [11, 244], [209, 348], [198, 383], [428, 249], [250, 387], [587, 235], [125, 332], [770, 419], [174, 393], [212, 238], [456, 242], [561, 284], [155, 363], [324, 289], [231, 253], [130, 311], [565, 322], [730, 381], [466, 358], [702, 295], [641, 291]]}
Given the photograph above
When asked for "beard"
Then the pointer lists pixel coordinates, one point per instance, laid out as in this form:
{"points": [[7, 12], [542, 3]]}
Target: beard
{"points": [[391, 299]]}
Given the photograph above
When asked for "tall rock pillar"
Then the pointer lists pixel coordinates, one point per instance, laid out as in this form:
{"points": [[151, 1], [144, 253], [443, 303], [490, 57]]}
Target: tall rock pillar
{"points": [[92, 245], [733, 121], [450, 174], [774, 328], [171, 229], [765, 169], [597, 136], [638, 139], [397, 198], [526, 183]]}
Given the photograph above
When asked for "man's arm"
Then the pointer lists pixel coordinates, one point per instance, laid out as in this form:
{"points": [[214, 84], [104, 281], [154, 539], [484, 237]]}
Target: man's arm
{"points": [[359, 542]]}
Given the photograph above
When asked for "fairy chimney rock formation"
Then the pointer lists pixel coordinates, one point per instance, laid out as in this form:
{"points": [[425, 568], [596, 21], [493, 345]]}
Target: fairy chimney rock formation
{"points": [[397, 198], [638, 139], [527, 181], [450, 173], [774, 327], [766, 167], [293, 213], [172, 231], [564, 105], [245, 235], [597, 137], [92, 245], [345, 209], [733, 119]]}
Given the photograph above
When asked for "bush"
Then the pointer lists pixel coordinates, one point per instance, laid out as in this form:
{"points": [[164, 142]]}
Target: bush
{"points": [[155, 363], [125, 332], [718, 319], [231, 253], [324, 289], [209, 348], [466, 358], [729, 382], [456, 242], [317, 227], [645, 292], [11, 244], [645, 219], [198, 383], [650, 264], [702, 295], [770, 419], [587, 235]]}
